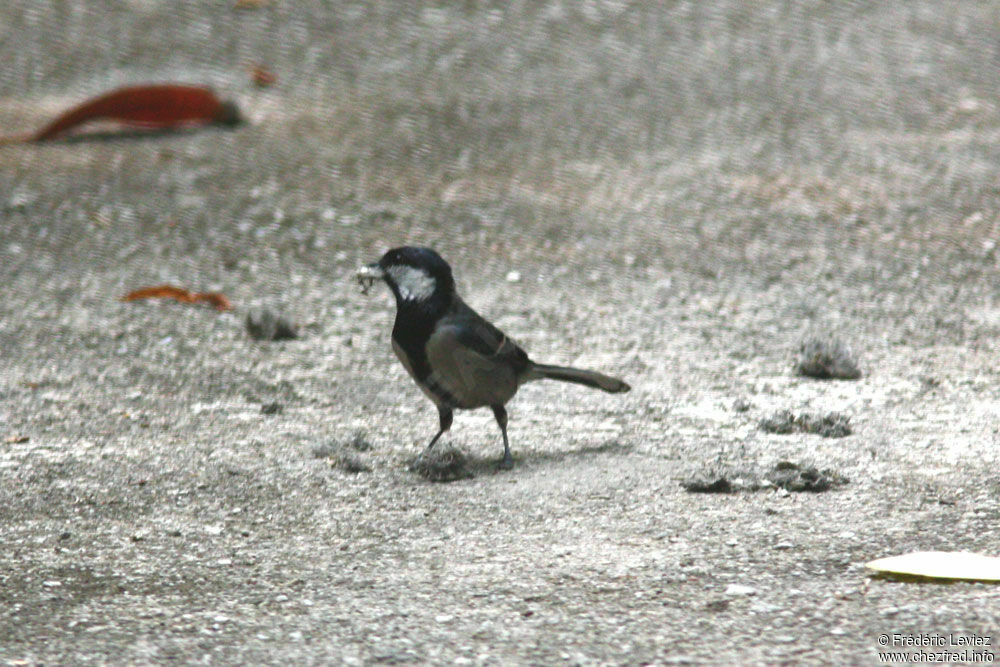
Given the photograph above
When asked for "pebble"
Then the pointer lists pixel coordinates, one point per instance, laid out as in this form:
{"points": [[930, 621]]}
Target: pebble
{"points": [[266, 324], [739, 589], [891, 611]]}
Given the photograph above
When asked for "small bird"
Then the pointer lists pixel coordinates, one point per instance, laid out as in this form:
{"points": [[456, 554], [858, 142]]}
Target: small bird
{"points": [[456, 357]]}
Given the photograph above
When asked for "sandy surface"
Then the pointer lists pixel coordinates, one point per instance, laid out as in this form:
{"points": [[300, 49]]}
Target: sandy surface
{"points": [[684, 194]]}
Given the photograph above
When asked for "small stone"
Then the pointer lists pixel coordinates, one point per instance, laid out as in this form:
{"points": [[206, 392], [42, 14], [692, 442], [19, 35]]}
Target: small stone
{"points": [[739, 589], [266, 324], [274, 408], [514, 277], [721, 604]]}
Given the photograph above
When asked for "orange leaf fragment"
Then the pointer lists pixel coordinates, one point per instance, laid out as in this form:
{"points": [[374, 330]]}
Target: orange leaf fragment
{"points": [[262, 77], [215, 299]]}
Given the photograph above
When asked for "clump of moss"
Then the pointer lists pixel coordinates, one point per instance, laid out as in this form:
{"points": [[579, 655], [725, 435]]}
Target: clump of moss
{"points": [[344, 456], [794, 477], [708, 483], [443, 464], [826, 359], [829, 425]]}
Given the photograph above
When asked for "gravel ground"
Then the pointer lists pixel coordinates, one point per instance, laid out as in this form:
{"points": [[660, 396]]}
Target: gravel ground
{"points": [[677, 194]]}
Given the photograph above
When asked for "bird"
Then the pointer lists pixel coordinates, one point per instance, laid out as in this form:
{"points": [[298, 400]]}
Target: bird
{"points": [[458, 358]]}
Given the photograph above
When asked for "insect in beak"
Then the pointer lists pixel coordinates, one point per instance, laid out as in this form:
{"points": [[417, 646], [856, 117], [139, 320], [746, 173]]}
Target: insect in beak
{"points": [[368, 275]]}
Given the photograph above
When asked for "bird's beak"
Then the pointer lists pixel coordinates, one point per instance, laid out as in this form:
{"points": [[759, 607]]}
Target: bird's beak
{"points": [[368, 275]]}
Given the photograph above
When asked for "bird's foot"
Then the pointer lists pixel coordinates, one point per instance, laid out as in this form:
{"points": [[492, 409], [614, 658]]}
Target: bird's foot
{"points": [[506, 463]]}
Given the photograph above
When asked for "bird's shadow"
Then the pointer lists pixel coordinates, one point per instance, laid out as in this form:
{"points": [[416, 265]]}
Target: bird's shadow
{"points": [[449, 463], [128, 135]]}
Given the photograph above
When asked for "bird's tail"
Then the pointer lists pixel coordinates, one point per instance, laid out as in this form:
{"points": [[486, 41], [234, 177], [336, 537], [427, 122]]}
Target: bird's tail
{"points": [[579, 376]]}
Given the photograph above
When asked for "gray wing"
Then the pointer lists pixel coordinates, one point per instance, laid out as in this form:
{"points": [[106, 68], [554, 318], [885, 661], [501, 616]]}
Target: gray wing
{"points": [[474, 362]]}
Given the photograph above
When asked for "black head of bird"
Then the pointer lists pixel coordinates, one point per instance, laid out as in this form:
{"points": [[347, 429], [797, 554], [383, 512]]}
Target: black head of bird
{"points": [[458, 358]]}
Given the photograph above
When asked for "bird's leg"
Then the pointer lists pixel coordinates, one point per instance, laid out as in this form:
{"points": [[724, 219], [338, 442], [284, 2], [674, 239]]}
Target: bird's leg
{"points": [[501, 414], [446, 415]]}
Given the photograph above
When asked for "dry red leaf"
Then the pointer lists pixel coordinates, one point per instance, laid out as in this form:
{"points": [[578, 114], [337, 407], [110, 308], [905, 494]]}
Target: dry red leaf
{"points": [[157, 106], [215, 299]]}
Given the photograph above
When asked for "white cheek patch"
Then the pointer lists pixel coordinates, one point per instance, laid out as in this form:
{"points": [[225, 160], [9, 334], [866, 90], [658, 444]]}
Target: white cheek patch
{"points": [[414, 284]]}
